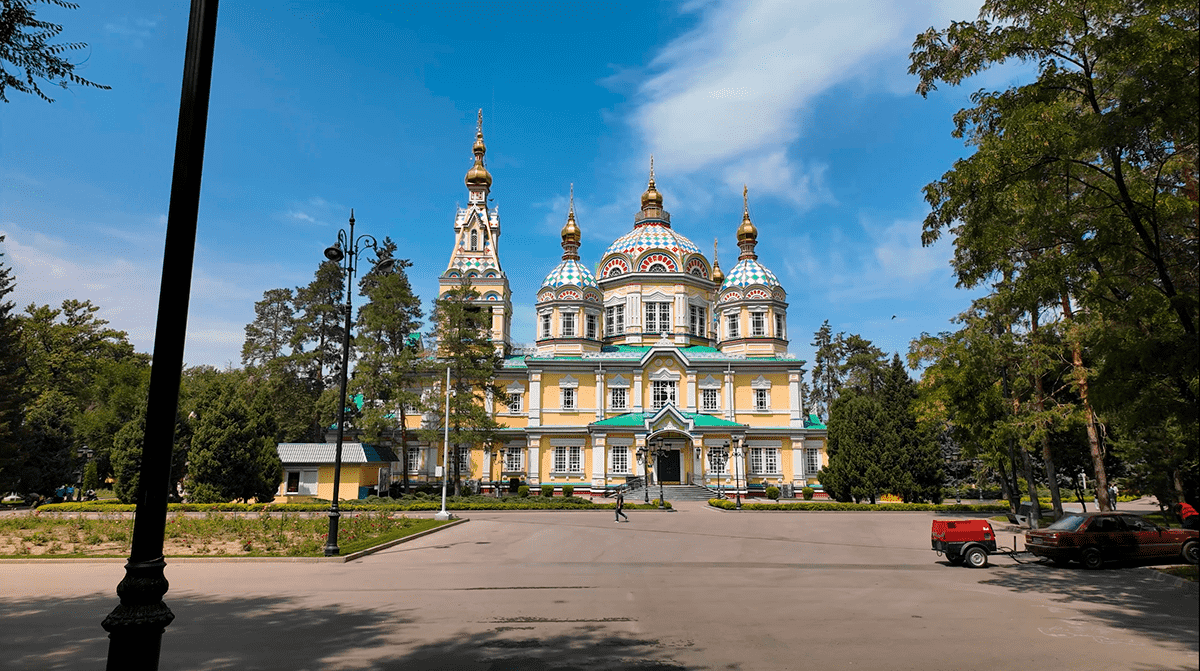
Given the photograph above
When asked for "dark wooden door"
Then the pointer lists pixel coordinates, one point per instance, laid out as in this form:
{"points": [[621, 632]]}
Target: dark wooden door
{"points": [[668, 466]]}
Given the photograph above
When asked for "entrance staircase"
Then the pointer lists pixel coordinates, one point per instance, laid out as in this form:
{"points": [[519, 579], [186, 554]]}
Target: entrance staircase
{"points": [[672, 493]]}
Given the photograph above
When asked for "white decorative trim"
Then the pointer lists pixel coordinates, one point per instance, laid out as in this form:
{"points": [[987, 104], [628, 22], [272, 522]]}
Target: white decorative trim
{"points": [[709, 382], [567, 442], [763, 443], [619, 382], [664, 374], [515, 388], [619, 441], [657, 297], [569, 382], [760, 382]]}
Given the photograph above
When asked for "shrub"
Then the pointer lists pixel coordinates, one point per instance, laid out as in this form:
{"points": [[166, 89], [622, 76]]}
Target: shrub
{"points": [[547, 490], [773, 493], [808, 493], [523, 491], [568, 490], [864, 507]]}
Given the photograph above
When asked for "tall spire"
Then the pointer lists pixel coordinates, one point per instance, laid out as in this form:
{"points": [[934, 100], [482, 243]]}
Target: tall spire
{"points": [[651, 198], [570, 231], [747, 233], [478, 176], [717, 275]]}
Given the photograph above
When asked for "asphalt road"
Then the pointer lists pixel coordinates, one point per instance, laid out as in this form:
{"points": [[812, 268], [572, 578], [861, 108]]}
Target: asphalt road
{"points": [[695, 589]]}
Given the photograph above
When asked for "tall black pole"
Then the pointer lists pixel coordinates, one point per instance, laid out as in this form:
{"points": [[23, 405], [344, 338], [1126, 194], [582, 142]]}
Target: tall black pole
{"points": [[135, 627], [331, 539]]}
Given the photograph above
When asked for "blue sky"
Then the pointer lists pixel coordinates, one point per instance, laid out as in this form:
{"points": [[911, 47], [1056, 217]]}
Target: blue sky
{"points": [[319, 107]]}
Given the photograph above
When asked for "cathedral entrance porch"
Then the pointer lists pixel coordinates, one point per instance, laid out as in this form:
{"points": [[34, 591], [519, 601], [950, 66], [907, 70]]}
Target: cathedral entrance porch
{"points": [[668, 467]]}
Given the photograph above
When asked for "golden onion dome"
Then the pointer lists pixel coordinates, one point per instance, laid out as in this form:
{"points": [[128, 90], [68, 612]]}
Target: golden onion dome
{"points": [[651, 198], [747, 231], [478, 175], [570, 231]]}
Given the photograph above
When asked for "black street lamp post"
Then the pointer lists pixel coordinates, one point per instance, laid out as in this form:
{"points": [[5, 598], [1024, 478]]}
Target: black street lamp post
{"points": [[644, 454], [658, 452], [346, 251], [734, 456], [721, 459]]}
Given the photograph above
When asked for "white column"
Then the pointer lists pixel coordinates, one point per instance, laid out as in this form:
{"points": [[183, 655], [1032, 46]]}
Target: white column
{"points": [[692, 403], [533, 461], [798, 474], [637, 391], [797, 419], [601, 401], [599, 466], [730, 410], [535, 399]]}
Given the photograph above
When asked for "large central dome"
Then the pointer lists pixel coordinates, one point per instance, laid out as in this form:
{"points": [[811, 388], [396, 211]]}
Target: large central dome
{"points": [[652, 246]]}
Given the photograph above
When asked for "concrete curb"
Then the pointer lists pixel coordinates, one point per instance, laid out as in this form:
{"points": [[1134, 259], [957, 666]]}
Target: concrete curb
{"points": [[1174, 580], [225, 560]]}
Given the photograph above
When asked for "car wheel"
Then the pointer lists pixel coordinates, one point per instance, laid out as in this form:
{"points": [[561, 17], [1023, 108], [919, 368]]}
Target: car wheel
{"points": [[1191, 552], [1092, 559], [954, 560], [976, 557]]}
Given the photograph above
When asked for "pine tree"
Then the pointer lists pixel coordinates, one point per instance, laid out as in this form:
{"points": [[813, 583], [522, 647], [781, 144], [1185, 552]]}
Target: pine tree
{"points": [[462, 331], [912, 456], [126, 455], [270, 335], [317, 340], [391, 363], [12, 382], [826, 379], [857, 424]]}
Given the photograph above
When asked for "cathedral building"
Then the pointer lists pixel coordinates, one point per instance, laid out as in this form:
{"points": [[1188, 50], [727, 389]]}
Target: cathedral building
{"points": [[658, 365]]}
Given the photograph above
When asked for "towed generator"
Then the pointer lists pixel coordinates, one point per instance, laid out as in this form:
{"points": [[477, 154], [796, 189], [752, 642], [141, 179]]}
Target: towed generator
{"points": [[964, 542]]}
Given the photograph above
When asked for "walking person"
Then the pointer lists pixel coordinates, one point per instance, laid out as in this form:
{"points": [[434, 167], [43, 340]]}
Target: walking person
{"points": [[620, 507]]}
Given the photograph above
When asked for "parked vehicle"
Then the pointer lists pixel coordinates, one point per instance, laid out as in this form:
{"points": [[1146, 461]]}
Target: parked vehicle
{"points": [[1095, 538], [966, 542]]}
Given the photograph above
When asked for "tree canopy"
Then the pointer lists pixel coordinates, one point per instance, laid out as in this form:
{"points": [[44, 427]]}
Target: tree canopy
{"points": [[26, 52]]}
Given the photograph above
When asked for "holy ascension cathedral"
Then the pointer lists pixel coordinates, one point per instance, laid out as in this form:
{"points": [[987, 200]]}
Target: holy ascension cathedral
{"points": [[660, 367]]}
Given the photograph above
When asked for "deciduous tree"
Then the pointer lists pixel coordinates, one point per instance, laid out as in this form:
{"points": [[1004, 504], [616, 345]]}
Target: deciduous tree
{"points": [[26, 52]]}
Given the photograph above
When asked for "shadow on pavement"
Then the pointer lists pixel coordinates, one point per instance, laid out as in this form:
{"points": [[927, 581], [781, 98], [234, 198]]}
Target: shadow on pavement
{"points": [[283, 633], [1132, 599]]}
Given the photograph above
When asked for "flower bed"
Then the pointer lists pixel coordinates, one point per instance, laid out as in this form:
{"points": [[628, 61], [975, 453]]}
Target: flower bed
{"points": [[833, 505]]}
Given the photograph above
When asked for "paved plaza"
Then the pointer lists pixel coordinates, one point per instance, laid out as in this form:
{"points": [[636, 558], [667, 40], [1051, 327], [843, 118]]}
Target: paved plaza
{"points": [[694, 589]]}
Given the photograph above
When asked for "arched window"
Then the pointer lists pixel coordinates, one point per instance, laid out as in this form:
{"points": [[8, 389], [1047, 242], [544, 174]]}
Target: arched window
{"points": [[474, 240], [614, 271], [657, 268], [698, 271]]}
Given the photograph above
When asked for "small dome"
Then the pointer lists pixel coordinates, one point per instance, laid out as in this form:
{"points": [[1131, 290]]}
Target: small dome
{"points": [[652, 198], [570, 271], [570, 230], [747, 231], [750, 271], [717, 275]]}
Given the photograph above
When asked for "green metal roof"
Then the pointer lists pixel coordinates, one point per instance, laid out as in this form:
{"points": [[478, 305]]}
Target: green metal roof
{"points": [[814, 422], [639, 419]]}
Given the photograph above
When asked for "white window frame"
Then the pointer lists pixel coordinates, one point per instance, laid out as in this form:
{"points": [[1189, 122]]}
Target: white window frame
{"points": [[614, 320], [780, 328], [619, 460], [731, 325], [305, 486], [698, 317], [756, 460], [546, 324], [662, 392], [718, 461], [710, 400], [567, 398], [464, 460], [620, 393], [812, 461], [560, 459], [568, 459], [514, 459], [515, 402], [567, 321], [474, 241], [762, 400], [658, 317], [590, 320], [414, 460], [771, 460], [758, 324]]}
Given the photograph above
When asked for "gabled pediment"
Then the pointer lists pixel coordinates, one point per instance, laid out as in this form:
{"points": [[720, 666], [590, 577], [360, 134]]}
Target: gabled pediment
{"points": [[664, 374], [760, 382], [709, 382], [669, 418]]}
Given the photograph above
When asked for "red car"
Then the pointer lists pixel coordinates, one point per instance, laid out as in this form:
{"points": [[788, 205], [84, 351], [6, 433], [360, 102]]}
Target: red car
{"points": [[1094, 538]]}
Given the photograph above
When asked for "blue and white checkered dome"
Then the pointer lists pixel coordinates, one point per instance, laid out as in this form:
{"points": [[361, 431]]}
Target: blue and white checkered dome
{"points": [[750, 271], [653, 236], [569, 272]]}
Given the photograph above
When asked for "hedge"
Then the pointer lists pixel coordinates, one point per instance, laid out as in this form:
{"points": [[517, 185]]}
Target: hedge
{"points": [[891, 507], [548, 503]]}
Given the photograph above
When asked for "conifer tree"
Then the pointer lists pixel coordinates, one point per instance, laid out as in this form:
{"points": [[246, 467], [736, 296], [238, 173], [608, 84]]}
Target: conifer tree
{"points": [[317, 339], [12, 382], [270, 335], [233, 455], [391, 364], [826, 378], [462, 331]]}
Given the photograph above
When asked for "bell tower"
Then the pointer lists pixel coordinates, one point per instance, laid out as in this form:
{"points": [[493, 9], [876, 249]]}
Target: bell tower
{"points": [[476, 254]]}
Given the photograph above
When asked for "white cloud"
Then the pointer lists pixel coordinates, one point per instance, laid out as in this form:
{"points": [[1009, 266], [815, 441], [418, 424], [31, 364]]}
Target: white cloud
{"points": [[729, 96]]}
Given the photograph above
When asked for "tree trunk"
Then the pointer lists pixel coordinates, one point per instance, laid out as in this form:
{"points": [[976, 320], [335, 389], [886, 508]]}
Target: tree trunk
{"points": [[1040, 404], [403, 451], [1101, 478]]}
